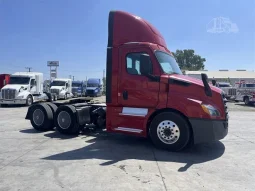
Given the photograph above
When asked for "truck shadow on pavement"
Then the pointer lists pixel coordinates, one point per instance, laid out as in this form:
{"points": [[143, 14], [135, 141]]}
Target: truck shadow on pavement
{"points": [[251, 105], [50, 134], [116, 148]]}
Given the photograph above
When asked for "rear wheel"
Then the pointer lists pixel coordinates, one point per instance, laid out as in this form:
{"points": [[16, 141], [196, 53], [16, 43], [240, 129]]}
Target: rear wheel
{"points": [[41, 117], [170, 131], [66, 120]]}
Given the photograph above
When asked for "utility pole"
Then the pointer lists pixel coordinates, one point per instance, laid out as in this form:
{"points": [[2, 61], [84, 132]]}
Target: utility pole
{"points": [[103, 73], [73, 78], [29, 69]]}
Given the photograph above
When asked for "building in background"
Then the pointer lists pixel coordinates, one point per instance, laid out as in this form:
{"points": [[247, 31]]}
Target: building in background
{"points": [[225, 75]]}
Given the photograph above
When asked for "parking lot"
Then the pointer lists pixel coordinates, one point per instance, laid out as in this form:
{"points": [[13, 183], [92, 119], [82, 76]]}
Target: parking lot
{"points": [[31, 160]]}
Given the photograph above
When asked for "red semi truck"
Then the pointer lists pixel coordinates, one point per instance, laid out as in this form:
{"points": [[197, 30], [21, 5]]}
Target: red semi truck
{"points": [[146, 94], [4, 79]]}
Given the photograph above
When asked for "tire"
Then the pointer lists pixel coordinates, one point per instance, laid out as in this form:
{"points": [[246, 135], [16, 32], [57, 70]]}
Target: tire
{"points": [[169, 131], [53, 108], [29, 100], [41, 117], [246, 101], [66, 120]]}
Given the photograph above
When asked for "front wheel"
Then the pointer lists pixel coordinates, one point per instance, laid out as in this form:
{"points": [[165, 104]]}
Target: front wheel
{"points": [[246, 101], [29, 100], [170, 131]]}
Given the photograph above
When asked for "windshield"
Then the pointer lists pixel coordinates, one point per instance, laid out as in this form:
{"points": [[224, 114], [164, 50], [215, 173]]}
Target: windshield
{"points": [[92, 85], [168, 63], [58, 83], [76, 85], [19, 80]]}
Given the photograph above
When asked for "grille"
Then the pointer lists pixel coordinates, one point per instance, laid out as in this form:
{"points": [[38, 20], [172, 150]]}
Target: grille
{"points": [[54, 91], [232, 92], [90, 92], [75, 90], [8, 93]]}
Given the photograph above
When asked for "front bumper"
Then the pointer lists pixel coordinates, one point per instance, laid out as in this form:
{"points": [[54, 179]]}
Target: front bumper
{"points": [[208, 130], [12, 102]]}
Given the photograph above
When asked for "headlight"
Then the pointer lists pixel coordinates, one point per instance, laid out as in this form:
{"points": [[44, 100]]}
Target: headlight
{"points": [[209, 109]]}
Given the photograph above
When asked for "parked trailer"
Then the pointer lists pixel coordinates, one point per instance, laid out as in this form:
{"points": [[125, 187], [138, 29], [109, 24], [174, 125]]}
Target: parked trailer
{"points": [[146, 94]]}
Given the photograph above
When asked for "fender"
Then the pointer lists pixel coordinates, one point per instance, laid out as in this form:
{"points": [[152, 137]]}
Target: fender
{"points": [[25, 94]]}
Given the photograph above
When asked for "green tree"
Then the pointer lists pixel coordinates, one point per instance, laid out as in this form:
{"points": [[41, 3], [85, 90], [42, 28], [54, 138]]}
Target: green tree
{"points": [[188, 60]]}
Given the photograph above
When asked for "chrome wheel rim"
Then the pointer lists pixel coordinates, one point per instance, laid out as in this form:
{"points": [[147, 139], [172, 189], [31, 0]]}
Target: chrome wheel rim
{"points": [[168, 132], [64, 120], [29, 101], [38, 117]]}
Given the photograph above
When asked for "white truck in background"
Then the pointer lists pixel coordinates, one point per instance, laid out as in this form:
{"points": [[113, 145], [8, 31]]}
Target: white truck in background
{"points": [[245, 92], [228, 89], [61, 88], [24, 88]]}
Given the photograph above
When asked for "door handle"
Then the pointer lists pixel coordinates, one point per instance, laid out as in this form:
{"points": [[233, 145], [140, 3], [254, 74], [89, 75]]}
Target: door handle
{"points": [[125, 95]]}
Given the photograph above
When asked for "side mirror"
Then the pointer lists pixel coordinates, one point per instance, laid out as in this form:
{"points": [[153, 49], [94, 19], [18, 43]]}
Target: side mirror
{"points": [[208, 90], [145, 64], [213, 82]]}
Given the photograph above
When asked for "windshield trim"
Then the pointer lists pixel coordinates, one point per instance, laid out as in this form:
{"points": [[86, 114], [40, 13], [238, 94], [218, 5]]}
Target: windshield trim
{"points": [[160, 64]]}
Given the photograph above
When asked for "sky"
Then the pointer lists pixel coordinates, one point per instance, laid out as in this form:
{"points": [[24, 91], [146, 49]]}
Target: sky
{"points": [[74, 32]]}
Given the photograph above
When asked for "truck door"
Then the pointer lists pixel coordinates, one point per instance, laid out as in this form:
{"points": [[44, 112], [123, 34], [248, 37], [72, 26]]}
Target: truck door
{"points": [[137, 94], [136, 90], [33, 87]]}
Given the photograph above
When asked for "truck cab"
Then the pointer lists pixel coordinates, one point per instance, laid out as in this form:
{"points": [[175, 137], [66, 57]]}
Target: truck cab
{"points": [[61, 88], [78, 88], [22, 88], [146, 93], [94, 87]]}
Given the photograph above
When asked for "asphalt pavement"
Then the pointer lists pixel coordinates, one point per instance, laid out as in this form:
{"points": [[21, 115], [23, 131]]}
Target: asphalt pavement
{"points": [[96, 160]]}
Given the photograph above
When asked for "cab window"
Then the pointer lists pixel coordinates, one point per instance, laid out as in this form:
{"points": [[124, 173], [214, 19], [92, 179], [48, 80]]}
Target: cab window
{"points": [[133, 63]]}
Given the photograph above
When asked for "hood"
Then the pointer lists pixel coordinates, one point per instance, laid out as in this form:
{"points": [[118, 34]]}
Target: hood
{"points": [[91, 88], [57, 87], [193, 81], [14, 86]]}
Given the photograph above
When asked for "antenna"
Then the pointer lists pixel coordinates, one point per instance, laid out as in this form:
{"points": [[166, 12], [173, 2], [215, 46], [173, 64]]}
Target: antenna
{"points": [[29, 69]]}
